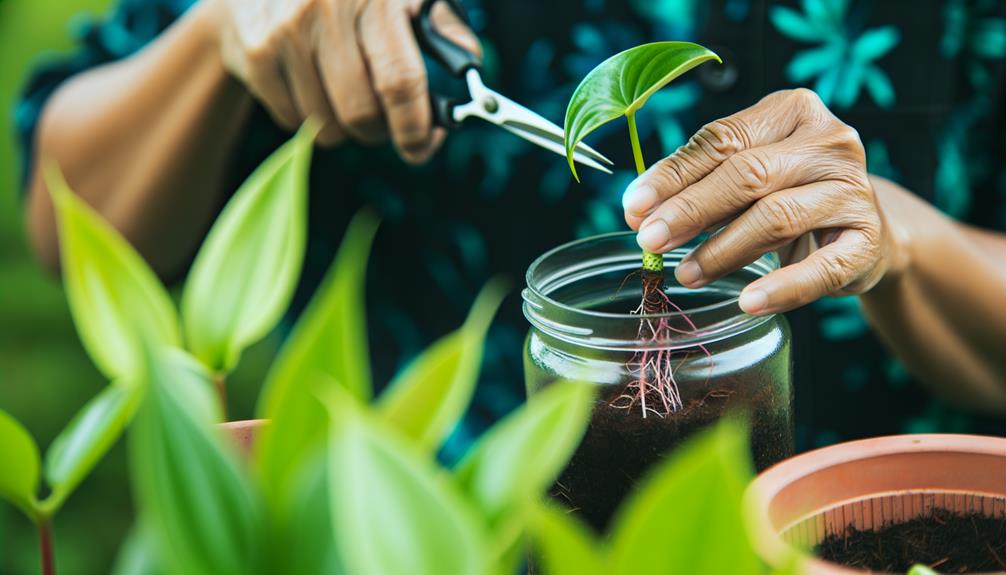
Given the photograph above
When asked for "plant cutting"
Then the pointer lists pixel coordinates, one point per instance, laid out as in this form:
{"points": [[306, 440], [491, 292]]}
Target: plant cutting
{"points": [[619, 87], [667, 361]]}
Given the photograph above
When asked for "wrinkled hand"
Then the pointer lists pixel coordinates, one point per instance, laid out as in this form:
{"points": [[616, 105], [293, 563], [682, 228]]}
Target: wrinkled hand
{"points": [[353, 64], [784, 175]]}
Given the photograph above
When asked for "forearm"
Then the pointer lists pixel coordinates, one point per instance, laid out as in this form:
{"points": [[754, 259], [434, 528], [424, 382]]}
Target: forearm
{"points": [[146, 141], [941, 309]]}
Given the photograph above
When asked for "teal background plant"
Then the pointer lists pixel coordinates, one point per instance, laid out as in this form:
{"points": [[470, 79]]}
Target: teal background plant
{"points": [[845, 60]]}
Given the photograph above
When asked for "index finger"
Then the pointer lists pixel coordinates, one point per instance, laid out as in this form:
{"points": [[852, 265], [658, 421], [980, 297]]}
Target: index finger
{"points": [[399, 77], [773, 119]]}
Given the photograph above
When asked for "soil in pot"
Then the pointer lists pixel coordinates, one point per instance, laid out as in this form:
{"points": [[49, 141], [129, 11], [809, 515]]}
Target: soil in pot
{"points": [[745, 371], [620, 445], [946, 541]]}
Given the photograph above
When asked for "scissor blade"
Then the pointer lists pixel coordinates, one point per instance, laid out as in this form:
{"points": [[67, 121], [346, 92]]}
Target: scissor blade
{"points": [[556, 138], [558, 148], [504, 112]]}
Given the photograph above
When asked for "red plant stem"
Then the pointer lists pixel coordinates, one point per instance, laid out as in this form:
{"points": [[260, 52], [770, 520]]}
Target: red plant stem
{"points": [[45, 547], [220, 385]]}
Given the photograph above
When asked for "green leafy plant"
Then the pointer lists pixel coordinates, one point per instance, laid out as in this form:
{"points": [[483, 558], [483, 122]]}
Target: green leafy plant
{"points": [[242, 281], [618, 87], [333, 474], [337, 481], [70, 457]]}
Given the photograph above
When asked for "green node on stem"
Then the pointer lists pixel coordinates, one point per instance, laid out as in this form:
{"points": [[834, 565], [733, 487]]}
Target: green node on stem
{"points": [[653, 262]]}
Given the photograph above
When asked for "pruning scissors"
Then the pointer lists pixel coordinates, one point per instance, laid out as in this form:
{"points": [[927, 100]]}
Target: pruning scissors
{"points": [[483, 102]]}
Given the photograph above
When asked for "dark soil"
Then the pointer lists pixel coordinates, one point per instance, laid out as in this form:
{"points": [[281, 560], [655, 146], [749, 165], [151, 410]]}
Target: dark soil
{"points": [[947, 542], [620, 445]]}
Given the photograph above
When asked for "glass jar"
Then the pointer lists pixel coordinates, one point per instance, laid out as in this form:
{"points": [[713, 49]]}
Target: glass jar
{"points": [[713, 356]]}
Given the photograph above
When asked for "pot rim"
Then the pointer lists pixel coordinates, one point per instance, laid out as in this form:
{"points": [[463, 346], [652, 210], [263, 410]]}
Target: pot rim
{"points": [[761, 492]]}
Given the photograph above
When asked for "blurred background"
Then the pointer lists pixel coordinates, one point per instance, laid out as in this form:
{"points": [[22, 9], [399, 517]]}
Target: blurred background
{"points": [[45, 377]]}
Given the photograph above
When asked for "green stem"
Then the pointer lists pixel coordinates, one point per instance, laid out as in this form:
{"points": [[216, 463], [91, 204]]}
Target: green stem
{"points": [[651, 262], [220, 386], [637, 152]]}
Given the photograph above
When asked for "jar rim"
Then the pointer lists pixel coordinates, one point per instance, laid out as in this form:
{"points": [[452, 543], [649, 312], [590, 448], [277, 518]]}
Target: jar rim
{"points": [[583, 324]]}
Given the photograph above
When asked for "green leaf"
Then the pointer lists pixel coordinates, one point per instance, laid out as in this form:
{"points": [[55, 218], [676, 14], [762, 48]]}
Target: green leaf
{"points": [[330, 339], [393, 510], [190, 491], [244, 275], [115, 298], [688, 512], [520, 457], [137, 554], [86, 439], [305, 537], [563, 544], [921, 570], [19, 465], [621, 85], [429, 397]]}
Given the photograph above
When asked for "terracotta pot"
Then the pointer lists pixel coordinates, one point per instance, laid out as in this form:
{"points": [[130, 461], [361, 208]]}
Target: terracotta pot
{"points": [[869, 483], [243, 433]]}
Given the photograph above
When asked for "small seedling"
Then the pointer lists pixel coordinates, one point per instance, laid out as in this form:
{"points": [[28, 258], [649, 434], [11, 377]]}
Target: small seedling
{"points": [[618, 87]]}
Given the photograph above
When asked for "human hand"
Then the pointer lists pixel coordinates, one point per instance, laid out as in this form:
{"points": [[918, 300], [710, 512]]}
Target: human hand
{"points": [[352, 64], [784, 174]]}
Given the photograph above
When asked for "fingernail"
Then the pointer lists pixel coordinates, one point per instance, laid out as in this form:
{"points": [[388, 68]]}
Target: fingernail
{"points": [[639, 199], [688, 273], [653, 236], [753, 300]]}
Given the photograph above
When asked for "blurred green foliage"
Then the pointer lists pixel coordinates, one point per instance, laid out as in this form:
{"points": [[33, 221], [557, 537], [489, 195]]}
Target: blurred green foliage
{"points": [[45, 376]]}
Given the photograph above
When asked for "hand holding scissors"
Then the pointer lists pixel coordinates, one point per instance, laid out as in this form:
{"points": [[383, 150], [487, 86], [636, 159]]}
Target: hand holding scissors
{"points": [[483, 102]]}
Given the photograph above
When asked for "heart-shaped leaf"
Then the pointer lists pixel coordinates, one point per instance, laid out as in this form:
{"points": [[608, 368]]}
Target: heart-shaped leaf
{"points": [[429, 397], [115, 298], [19, 465], [244, 275], [190, 491], [86, 439], [521, 456], [693, 499], [393, 510], [621, 85], [330, 339], [563, 544]]}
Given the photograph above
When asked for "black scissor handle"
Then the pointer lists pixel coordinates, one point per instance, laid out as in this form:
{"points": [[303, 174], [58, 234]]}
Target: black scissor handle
{"points": [[456, 59]]}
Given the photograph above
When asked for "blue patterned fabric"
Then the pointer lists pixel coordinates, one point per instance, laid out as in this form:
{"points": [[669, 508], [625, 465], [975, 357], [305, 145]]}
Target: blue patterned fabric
{"points": [[922, 82]]}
